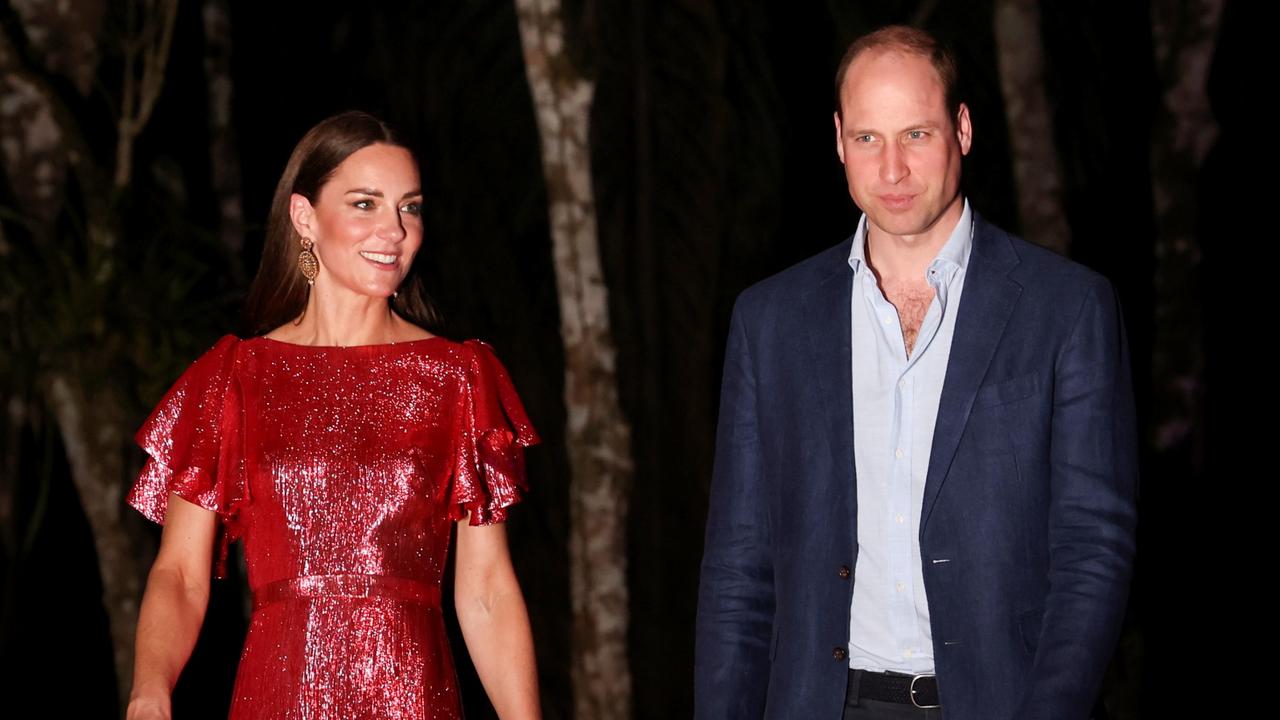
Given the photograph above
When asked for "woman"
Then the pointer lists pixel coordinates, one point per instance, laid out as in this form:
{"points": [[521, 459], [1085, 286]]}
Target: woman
{"points": [[342, 444]]}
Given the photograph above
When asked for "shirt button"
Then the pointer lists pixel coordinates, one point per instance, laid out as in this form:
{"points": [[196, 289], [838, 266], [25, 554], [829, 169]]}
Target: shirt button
{"points": [[839, 653], [898, 453], [888, 320], [901, 519], [900, 587], [843, 572]]}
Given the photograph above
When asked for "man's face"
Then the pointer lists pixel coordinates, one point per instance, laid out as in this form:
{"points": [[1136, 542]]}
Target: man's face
{"points": [[901, 151]]}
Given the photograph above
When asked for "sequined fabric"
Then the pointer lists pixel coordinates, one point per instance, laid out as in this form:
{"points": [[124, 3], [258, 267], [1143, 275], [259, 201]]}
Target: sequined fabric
{"points": [[342, 469]]}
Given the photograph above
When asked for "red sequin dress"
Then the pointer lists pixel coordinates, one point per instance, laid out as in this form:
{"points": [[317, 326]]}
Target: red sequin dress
{"points": [[342, 469]]}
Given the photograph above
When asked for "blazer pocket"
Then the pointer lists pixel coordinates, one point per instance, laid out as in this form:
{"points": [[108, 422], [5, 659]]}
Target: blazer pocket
{"points": [[1006, 391]]}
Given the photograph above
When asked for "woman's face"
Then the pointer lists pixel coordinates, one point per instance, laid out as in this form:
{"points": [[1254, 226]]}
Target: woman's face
{"points": [[366, 222]]}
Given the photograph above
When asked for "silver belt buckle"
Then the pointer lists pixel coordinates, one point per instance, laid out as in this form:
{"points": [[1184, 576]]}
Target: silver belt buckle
{"points": [[914, 678]]}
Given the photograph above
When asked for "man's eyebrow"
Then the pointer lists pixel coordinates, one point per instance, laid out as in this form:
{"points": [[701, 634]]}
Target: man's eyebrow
{"points": [[916, 126]]}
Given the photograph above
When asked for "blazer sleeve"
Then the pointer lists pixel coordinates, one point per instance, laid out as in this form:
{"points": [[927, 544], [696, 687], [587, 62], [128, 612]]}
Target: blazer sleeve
{"points": [[736, 596], [1092, 516]]}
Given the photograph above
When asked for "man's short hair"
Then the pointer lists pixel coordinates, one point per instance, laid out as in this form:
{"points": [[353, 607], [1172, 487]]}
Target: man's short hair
{"points": [[909, 41]]}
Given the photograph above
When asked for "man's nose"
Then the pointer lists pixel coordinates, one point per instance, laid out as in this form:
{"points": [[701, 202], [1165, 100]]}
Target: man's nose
{"points": [[893, 165]]}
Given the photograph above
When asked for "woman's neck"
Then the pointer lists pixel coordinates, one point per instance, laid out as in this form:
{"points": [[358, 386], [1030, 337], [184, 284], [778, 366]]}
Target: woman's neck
{"points": [[344, 319]]}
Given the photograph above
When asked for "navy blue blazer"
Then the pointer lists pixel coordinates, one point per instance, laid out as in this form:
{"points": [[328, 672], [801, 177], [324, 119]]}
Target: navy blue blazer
{"points": [[1027, 526]]}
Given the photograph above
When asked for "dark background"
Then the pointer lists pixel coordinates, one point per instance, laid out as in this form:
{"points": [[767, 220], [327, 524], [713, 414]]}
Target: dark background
{"points": [[714, 167]]}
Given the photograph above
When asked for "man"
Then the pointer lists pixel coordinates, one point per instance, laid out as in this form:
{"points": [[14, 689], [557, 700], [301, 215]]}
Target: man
{"points": [[925, 467]]}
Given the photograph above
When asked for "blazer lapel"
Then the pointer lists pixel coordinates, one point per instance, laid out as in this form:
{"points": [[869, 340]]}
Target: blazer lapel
{"points": [[826, 309], [985, 305]]}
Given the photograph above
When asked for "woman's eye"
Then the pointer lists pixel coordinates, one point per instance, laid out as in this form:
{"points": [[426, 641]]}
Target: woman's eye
{"points": [[413, 208], [363, 204]]}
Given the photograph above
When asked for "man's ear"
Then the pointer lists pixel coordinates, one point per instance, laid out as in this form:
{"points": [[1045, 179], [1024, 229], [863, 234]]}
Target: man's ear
{"points": [[839, 140], [964, 129]]}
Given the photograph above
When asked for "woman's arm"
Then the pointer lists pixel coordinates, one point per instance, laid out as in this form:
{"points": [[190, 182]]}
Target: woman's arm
{"points": [[494, 621], [173, 607]]}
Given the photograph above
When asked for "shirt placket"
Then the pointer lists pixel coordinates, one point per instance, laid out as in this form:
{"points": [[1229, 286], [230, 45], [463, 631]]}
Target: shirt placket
{"points": [[898, 490]]}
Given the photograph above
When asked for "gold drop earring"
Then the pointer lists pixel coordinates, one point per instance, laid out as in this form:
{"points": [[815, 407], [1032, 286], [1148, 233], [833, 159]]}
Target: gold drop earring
{"points": [[307, 262]]}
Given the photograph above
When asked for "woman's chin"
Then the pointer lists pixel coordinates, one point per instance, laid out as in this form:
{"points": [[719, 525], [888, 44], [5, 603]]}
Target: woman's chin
{"points": [[380, 290]]}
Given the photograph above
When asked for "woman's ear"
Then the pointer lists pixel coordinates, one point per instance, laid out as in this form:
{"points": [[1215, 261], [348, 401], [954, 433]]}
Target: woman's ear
{"points": [[302, 214]]}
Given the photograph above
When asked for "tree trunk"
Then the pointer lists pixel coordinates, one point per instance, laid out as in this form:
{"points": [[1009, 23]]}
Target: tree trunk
{"points": [[149, 36], [91, 432], [1035, 160], [62, 38], [1184, 35], [13, 422], [598, 436], [224, 156]]}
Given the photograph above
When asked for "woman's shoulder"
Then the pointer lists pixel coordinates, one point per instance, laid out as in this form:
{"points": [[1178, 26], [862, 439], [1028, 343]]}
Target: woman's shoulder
{"points": [[225, 345], [195, 400], [218, 359]]}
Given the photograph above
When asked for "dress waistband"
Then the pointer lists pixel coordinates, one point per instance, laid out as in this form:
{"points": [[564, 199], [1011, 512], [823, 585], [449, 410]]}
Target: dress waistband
{"points": [[347, 585]]}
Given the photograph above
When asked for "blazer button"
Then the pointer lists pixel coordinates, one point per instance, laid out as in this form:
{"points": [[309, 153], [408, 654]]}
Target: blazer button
{"points": [[843, 572], [839, 653]]}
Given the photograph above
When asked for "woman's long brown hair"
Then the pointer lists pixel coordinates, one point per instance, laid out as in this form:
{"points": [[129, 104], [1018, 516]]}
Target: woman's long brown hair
{"points": [[279, 291]]}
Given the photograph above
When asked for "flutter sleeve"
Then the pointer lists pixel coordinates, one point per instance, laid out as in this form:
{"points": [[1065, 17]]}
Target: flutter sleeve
{"points": [[194, 440], [489, 474]]}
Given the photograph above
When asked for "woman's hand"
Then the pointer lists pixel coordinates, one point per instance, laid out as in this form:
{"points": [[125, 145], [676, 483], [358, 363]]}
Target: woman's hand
{"points": [[149, 708]]}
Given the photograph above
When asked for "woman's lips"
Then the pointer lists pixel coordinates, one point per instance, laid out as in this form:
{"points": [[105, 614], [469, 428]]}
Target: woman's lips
{"points": [[385, 261]]}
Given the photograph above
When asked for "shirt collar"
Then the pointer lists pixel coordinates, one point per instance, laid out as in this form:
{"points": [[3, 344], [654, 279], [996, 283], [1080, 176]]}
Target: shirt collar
{"points": [[954, 255]]}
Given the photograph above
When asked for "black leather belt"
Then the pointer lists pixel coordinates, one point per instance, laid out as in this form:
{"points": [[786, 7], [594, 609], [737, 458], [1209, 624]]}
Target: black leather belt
{"points": [[918, 690]]}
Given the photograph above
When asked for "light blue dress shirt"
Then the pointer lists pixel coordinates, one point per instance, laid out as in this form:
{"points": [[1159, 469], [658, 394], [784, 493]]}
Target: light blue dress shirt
{"points": [[895, 406]]}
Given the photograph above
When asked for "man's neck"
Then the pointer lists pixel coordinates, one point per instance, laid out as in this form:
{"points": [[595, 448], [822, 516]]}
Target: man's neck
{"points": [[905, 258]]}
